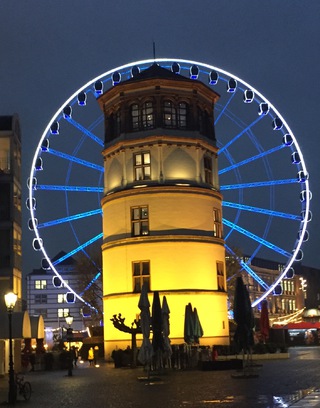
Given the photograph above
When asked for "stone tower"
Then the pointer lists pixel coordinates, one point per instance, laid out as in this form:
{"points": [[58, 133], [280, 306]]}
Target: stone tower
{"points": [[162, 208]]}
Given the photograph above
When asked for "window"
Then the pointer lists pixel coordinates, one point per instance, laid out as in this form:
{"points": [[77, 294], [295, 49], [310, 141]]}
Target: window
{"points": [[220, 276], [40, 284], [207, 161], [63, 312], [141, 274], [205, 125], [40, 298], [142, 117], [114, 124], [175, 115], [142, 166], [139, 221], [217, 225], [182, 115], [147, 115], [61, 298], [170, 115], [135, 116]]}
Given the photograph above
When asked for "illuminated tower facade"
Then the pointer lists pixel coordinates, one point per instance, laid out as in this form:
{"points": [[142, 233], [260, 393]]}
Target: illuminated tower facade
{"points": [[162, 208], [10, 209]]}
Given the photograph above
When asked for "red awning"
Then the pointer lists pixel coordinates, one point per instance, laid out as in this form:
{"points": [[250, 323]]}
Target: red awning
{"points": [[302, 326]]}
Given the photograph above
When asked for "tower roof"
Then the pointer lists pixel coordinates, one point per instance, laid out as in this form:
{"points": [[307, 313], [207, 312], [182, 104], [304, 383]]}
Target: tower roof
{"points": [[156, 71]]}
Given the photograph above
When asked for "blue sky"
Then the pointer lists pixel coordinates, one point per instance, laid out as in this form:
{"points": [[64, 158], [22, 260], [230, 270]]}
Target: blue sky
{"points": [[50, 48]]}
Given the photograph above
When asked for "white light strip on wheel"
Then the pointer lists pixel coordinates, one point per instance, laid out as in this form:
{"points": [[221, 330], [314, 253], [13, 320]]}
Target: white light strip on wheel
{"points": [[210, 67]]}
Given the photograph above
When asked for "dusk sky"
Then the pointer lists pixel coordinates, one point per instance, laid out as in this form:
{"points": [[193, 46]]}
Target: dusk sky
{"points": [[48, 49]]}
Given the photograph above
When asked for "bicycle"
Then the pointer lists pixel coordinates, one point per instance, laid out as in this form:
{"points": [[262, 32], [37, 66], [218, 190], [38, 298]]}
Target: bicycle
{"points": [[23, 387]]}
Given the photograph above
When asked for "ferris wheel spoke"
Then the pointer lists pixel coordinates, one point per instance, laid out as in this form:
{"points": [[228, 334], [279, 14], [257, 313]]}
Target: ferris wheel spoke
{"points": [[93, 280], [260, 210], [236, 137], [258, 184], [87, 189], [224, 108], [70, 218], [256, 238], [75, 159], [251, 159], [85, 131], [247, 268], [78, 249]]}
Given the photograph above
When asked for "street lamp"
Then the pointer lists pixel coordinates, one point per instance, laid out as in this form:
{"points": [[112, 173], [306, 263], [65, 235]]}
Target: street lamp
{"points": [[69, 320], [10, 300]]}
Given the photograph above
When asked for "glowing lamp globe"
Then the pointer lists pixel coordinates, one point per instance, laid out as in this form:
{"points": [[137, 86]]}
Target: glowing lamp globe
{"points": [[10, 300]]}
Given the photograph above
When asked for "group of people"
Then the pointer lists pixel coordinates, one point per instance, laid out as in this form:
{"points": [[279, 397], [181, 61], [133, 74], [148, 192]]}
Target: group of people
{"points": [[93, 355]]}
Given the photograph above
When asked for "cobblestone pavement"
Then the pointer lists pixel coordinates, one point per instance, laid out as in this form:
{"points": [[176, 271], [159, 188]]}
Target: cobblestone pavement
{"points": [[277, 383]]}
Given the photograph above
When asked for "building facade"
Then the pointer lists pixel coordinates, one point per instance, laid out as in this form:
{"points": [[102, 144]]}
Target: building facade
{"points": [[289, 299], [47, 296], [10, 209], [162, 208]]}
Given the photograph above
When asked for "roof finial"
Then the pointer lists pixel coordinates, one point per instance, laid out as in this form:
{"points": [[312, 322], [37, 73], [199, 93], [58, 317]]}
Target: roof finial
{"points": [[154, 50]]}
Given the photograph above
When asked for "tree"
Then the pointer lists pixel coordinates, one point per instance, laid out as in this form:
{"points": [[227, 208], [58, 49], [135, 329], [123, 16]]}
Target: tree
{"points": [[119, 323], [89, 269], [233, 270]]}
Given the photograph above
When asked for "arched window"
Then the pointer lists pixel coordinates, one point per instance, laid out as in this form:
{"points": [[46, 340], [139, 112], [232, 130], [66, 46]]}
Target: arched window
{"points": [[204, 122], [182, 115], [147, 115], [114, 124], [142, 116], [169, 115], [135, 117], [117, 123]]}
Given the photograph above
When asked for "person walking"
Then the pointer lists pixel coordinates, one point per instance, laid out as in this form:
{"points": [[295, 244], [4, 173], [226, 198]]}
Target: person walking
{"points": [[96, 355], [74, 356], [90, 356]]}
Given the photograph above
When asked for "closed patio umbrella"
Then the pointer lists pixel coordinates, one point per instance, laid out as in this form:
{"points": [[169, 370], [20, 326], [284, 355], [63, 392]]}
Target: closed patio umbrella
{"points": [[165, 311], [264, 321], [197, 329], [156, 322], [243, 316], [188, 325], [146, 350]]}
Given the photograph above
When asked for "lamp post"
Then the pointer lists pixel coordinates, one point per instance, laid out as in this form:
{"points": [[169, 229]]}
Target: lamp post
{"points": [[10, 300], [69, 320]]}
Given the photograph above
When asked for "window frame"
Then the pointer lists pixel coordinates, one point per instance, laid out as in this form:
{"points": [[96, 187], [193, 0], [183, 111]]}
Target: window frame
{"points": [[217, 222], [220, 276], [139, 279], [139, 216], [63, 312], [142, 115], [41, 298], [142, 169], [208, 169], [40, 284]]}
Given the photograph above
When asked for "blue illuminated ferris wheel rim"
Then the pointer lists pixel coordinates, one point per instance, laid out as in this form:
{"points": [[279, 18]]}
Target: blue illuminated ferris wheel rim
{"points": [[231, 81]]}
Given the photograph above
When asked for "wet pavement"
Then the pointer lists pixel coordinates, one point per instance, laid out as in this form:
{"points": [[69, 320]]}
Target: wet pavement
{"points": [[292, 382]]}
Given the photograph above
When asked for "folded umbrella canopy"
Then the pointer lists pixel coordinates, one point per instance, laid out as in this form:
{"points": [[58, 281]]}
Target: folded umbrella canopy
{"points": [[243, 316], [165, 311], [188, 325], [156, 321], [197, 328], [264, 321], [146, 350]]}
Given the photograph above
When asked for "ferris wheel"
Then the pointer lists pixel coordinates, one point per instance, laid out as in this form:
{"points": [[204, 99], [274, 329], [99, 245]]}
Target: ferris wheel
{"points": [[262, 173]]}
